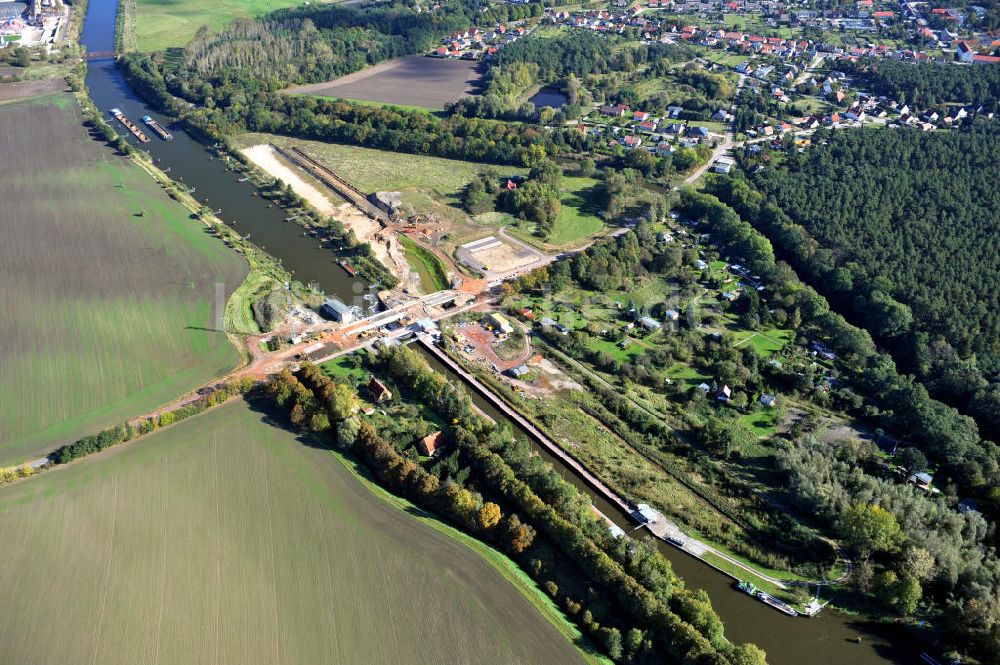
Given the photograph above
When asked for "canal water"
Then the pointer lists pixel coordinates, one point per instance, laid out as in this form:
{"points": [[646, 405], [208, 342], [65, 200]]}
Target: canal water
{"points": [[827, 639], [196, 166]]}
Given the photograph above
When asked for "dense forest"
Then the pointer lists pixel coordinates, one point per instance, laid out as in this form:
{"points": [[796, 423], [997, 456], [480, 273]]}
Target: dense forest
{"points": [[910, 214], [925, 85], [900, 228], [929, 558]]}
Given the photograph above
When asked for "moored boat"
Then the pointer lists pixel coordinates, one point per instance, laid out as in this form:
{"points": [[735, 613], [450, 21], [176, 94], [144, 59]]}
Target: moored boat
{"points": [[351, 270], [779, 605]]}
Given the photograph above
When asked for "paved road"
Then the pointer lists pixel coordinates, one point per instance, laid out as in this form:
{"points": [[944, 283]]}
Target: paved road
{"points": [[727, 141]]}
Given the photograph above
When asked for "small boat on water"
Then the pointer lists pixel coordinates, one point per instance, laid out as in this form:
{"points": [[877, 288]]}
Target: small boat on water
{"points": [[747, 588], [348, 268]]}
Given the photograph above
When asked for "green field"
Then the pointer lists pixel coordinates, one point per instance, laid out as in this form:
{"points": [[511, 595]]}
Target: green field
{"points": [[614, 350], [377, 170], [165, 23], [765, 342], [226, 540], [108, 286], [578, 218]]}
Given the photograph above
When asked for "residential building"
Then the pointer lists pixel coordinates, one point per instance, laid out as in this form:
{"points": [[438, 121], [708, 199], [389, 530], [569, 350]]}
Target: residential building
{"points": [[431, 445], [377, 392]]}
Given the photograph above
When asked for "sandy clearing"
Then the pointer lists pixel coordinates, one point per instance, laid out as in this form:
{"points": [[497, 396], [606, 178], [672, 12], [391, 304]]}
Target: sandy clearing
{"points": [[266, 158], [383, 242], [504, 257]]}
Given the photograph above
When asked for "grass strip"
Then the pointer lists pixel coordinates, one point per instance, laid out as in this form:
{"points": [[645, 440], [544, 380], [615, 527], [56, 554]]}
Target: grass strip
{"points": [[433, 276]]}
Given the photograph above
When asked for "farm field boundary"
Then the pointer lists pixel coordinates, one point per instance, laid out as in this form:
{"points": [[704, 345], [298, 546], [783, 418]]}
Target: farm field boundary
{"points": [[413, 81], [171, 557], [108, 290]]}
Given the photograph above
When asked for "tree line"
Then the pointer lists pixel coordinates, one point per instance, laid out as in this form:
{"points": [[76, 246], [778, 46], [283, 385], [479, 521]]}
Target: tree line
{"points": [[517, 501], [907, 249], [112, 436], [923, 85]]}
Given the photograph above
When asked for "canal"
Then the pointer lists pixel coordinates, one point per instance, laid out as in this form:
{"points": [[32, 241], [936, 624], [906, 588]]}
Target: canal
{"points": [[827, 639], [215, 185]]}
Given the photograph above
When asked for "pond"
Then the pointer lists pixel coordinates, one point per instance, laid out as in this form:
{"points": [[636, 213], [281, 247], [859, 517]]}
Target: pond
{"points": [[553, 97]]}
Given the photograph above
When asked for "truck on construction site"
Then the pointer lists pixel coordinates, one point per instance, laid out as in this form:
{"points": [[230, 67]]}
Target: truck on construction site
{"points": [[131, 126], [159, 129]]}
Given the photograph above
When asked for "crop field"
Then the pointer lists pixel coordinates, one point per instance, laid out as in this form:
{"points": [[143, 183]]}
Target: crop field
{"points": [[108, 286], [226, 540], [413, 80], [165, 23]]}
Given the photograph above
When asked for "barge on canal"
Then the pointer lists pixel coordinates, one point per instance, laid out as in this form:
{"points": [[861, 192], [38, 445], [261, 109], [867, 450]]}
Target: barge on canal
{"points": [[131, 126], [159, 129], [767, 599]]}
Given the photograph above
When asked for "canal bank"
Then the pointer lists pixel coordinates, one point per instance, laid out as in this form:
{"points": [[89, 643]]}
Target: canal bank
{"points": [[831, 638], [213, 182]]}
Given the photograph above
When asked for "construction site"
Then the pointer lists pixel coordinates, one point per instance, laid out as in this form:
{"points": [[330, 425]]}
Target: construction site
{"points": [[34, 23]]}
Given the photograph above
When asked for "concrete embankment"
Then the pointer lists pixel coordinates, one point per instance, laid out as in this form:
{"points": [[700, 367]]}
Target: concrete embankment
{"points": [[661, 527], [533, 431]]}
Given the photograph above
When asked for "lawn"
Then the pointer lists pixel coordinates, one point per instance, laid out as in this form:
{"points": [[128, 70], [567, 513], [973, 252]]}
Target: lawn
{"points": [[226, 540], [109, 286], [578, 218], [577, 221], [344, 369], [763, 423], [689, 375], [765, 342], [433, 276], [633, 349], [164, 23]]}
